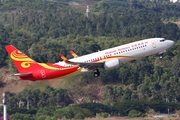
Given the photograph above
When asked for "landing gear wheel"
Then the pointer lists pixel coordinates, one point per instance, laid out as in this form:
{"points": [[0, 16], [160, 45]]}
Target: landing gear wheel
{"points": [[96, 73], [161, 55]]}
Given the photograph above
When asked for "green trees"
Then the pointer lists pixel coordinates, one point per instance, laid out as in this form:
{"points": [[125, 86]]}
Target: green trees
{"points": [[4, 34], [135, 113], [45, 112], [137, 108], [96, 107], [73, 112], [42, 29], [36, 98], [19, 116], [68, 112], [48, 25]]}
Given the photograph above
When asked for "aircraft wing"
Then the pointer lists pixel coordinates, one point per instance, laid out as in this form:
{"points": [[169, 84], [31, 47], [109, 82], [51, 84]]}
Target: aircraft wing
{"points": [[92, 65]]}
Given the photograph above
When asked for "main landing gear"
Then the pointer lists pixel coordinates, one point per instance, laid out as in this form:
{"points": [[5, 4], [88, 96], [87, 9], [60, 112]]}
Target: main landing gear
{"points": [[96, 73]]}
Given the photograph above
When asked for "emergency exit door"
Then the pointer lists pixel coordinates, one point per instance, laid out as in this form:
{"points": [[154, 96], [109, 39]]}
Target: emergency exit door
{"points": [[153, 43]]}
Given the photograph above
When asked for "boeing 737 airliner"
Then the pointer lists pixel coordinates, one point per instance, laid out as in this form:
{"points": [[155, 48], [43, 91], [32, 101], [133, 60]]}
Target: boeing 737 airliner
{"points": [[106, 59]]}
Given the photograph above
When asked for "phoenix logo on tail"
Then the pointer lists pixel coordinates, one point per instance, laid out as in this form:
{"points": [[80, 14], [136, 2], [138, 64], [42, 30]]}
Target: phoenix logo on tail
{"points": [[30, 70], [106, 59]]}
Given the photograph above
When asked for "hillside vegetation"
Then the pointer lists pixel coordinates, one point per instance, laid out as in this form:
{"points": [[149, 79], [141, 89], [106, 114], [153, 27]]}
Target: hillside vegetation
{"points": [[42, 29]]}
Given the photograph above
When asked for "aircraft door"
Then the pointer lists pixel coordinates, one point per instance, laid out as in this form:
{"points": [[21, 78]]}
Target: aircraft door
{"points": [[153, 43], [43, 75], [39, 74]]}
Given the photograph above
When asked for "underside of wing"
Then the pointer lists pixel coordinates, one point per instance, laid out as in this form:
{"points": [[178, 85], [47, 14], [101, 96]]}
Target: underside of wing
{"points": [[92, 65]]}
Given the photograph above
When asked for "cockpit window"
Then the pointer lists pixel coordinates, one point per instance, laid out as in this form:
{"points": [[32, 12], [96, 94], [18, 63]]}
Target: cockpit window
{"points": [[162, 40]]}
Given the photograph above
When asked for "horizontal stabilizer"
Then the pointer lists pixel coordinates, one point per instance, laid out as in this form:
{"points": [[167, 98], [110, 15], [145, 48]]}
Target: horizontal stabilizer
{"points": [[23, 74]]}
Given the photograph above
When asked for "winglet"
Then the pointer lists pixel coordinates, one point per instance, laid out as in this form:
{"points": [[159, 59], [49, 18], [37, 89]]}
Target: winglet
{"points": [[73, 54], [63, 58]]}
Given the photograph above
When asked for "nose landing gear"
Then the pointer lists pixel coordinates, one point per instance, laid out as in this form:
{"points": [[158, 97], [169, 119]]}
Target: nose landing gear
{"points": [[161, 54]]}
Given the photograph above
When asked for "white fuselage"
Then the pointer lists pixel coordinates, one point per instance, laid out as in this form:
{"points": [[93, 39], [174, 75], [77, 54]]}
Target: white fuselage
{"points": [[125, 52]]}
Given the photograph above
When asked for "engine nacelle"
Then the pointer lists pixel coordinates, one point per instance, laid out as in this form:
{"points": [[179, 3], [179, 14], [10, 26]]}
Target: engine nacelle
{"points": [[111, 64]]}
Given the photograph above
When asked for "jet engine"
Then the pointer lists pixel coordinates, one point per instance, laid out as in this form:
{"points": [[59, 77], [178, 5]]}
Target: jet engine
{"points": [[111, 64]]}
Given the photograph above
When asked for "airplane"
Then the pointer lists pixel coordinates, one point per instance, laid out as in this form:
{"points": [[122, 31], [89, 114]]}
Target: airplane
{"points": [[106, 59]]}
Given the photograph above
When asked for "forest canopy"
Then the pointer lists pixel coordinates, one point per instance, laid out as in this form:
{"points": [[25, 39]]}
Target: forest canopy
{"points": [[44, 28]]}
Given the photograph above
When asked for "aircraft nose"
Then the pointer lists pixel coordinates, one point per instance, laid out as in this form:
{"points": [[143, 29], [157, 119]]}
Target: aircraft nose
{"points": [[170, 42]]}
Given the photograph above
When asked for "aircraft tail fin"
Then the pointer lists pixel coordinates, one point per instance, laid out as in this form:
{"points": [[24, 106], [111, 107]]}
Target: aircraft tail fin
{"points": [[73, 54], [23, 63]]}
